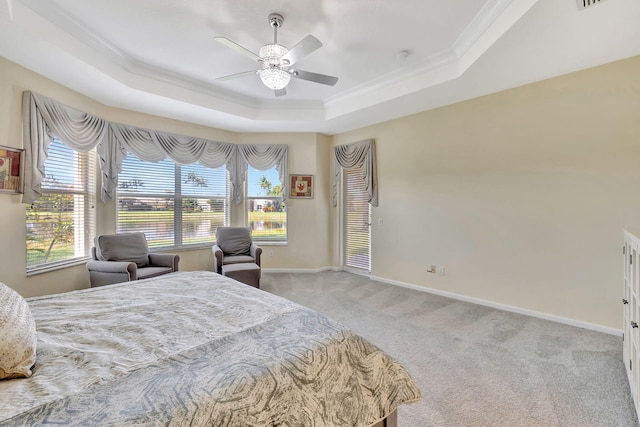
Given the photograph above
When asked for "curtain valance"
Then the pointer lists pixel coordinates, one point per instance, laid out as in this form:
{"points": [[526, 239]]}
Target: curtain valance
{"points": [[359, 155], [44, 117], [154, 146], [264, 157]]}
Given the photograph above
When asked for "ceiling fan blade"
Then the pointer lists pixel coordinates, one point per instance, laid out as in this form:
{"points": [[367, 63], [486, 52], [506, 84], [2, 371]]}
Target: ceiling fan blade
{"points": [[314, 77], [235, 46], [302, 49], [235, 76], [281, 92]]}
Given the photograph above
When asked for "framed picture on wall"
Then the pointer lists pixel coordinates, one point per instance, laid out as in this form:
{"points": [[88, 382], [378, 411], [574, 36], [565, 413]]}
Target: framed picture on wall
{"points": [[301, 186], [11, 167]]}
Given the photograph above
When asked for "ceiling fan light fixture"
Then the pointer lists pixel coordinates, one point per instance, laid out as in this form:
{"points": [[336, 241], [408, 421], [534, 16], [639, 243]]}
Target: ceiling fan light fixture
{"points": [[276, 60], [272, 52], [273, 75], [274, 78]]}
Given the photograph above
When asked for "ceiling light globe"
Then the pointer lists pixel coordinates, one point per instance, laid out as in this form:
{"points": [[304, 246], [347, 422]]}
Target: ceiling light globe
{"points": [[271, 53], [274, 78]]}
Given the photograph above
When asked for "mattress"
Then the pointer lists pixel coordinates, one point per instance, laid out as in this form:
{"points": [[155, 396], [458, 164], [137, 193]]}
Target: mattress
{"points": [[198, 348]]}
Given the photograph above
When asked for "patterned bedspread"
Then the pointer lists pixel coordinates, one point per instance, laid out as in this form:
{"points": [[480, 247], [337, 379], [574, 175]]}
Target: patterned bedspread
{"points": [[197, 348]]}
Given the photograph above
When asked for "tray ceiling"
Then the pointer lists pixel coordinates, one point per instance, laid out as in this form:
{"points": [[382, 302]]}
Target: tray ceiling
{"points": [[392, 58]]}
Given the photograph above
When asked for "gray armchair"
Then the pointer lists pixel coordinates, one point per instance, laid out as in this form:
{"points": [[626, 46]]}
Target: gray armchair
{"points": [[124, 257], [234, 245]]}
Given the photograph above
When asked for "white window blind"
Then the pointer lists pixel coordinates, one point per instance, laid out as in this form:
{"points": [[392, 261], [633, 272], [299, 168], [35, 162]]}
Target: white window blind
{"points": [[356, 222], [267, 211], [61, 223], [174, 205]]}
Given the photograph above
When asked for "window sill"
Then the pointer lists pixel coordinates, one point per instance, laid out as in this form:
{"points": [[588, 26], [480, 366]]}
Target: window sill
{"points": [[47, 268], [173, 249], [206, 246]]}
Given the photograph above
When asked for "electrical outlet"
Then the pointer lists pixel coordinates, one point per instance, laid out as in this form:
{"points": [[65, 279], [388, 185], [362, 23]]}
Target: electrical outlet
{"points": [[441, 270], [270, 254], [431, 269]]}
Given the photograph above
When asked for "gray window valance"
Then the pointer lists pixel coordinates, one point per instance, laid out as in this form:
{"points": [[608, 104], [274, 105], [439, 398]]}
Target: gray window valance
{"points": [[358, 155], [263, 157], [44, 117], [154, 146]]}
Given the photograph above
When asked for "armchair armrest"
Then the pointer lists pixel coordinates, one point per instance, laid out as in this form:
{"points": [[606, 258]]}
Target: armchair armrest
{"points": [[217, 259], [255, 252], [107, 272], [164, 260], [130, 268]]}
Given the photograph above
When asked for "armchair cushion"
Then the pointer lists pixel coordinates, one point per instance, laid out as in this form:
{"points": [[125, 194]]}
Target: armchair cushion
{"points": [[164, 260], [238, 259], [123, 247], [234, 240], [146, 272]]}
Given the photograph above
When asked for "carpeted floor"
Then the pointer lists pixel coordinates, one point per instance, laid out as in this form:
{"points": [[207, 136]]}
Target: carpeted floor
{"points": [[476, 366]]}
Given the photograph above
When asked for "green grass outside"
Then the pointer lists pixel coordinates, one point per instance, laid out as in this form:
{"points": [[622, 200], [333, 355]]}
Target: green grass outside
{"points": [[34, 257]]}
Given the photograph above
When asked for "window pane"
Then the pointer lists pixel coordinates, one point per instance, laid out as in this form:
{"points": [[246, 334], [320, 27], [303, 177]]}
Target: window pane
{"points": [[267, 211], [66, 169], [201, 218], [263, 183], [150, 215], [198, 180], [203, 214], [61, 223], [139, 177], [174, 205]]}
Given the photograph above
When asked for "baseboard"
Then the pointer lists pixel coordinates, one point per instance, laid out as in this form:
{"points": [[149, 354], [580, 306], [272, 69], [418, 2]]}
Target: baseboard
{"points": [[518, 310], [300, 270]]}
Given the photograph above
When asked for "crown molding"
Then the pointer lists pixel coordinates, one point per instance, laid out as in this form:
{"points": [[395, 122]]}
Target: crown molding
{"points": [[100, 54]]}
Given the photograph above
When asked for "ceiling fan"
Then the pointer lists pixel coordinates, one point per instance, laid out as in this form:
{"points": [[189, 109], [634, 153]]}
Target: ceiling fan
{"points": [[276, 60]]}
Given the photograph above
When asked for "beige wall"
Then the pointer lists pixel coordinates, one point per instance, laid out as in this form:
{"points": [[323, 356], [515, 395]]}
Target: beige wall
{"points": [[520, 195], [307, 219], [308, 247]]}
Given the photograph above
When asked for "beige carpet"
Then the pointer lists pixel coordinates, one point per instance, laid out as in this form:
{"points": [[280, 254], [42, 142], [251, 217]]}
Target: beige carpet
{"points": [[476, 366]]}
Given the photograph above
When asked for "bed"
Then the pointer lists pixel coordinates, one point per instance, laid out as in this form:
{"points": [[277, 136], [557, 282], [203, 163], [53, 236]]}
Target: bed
{"points": [[198, 348]]}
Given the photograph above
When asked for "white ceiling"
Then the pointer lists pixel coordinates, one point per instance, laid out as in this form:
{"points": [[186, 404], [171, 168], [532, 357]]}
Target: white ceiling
{"points": [[159, 56]]}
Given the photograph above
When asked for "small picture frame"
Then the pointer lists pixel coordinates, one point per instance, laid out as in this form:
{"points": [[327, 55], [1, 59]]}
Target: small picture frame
{"points": [[301, 186], [11, 169]]}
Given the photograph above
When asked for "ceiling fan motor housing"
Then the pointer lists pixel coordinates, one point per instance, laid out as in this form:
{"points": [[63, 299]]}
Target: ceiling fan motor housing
{"points": [[276, 20]]}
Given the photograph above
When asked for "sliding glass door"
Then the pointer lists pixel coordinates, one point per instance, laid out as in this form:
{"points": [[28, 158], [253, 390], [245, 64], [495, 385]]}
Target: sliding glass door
{"points": [[356, 223]]}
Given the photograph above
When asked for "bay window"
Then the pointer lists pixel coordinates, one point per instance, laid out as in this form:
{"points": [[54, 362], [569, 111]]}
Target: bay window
{"points": [[174, 205]]}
